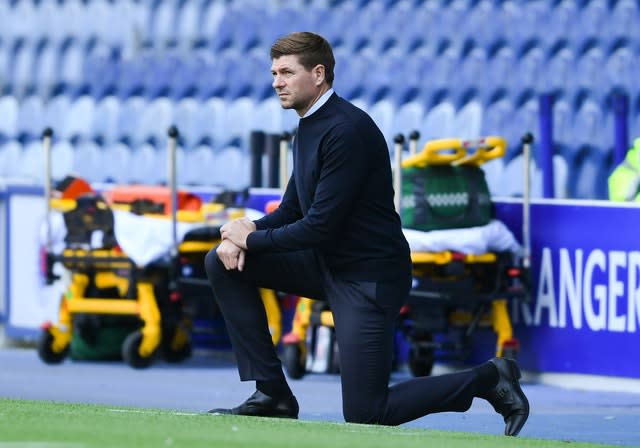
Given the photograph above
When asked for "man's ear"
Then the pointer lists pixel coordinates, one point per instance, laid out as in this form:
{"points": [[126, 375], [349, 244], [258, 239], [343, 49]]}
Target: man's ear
{"points": [[319, 74]]}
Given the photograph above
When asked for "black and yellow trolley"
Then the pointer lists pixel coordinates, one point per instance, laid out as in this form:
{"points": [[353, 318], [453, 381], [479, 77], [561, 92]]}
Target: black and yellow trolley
{"points": [[115, 308]]}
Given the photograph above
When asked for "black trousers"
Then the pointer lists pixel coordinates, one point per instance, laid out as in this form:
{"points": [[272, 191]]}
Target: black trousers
{"points": [[364, 314]]}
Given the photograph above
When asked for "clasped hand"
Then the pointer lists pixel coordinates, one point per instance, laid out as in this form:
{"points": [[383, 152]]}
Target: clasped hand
{"points": [[231, 250]]}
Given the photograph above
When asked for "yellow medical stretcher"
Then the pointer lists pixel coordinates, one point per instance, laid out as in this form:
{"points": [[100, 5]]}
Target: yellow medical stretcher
{"points": [[453, 293], [153, 304]]}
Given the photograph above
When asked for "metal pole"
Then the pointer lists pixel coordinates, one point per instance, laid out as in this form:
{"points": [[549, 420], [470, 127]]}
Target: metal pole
{"points": [[173, 199], [621, 128], [47, 135], [546, 145], [257, 150], [527, 140], [284, 160], [397, 170], [413, 142]]}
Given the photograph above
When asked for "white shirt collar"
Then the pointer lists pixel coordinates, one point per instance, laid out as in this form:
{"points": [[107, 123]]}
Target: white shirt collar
{"points": [[318, 104]]}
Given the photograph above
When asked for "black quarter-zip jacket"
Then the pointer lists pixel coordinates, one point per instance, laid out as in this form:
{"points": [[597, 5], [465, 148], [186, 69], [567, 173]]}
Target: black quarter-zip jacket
{"points": [[339, 199]]}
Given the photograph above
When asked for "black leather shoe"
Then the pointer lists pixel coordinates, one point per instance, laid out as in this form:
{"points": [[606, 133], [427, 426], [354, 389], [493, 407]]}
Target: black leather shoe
{"points": [[507, 397], [262, 405]]}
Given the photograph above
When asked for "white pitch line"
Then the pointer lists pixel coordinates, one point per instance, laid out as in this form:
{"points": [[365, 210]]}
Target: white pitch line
{"points": [[145, 411]]}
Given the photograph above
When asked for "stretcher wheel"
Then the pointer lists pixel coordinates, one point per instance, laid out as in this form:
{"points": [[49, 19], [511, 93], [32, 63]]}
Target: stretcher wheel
{"points": [[294, 362], [45, 349], [421, 361], [130, 352]]}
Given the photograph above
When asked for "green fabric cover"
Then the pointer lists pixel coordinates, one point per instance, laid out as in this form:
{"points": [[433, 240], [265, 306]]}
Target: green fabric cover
{"points": [[440, 197]]}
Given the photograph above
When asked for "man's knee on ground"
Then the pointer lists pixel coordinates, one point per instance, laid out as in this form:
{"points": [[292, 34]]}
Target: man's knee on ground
{"points": [[366, 416]]}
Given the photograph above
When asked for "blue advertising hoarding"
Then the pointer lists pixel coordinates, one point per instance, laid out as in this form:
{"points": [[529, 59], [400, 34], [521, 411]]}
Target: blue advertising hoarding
{"points": [[584, 316]]}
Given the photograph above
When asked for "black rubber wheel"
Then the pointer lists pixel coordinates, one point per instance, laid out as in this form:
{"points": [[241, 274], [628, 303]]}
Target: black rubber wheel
{"points": [[293, 363], [421, 361], [130, 353], [45, 349]]}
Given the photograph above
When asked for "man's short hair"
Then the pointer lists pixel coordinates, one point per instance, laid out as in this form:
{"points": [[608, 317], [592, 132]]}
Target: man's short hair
{"points": [[311, 49]]}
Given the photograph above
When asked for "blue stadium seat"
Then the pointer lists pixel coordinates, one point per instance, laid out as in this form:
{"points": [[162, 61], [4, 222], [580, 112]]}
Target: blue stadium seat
{"points": [[188, 21], [560, 23], [120, 169], [526, 119], [408, 118], [468, 121], [590, 127], [589, 180], [622, 69], [56, 111], [232, 168], [493, 174], [239, 122], [131, 111], [590, 71], [473, 70], [80, 118], [62, 163], [101, 71], [212, 15], [22, 60], [185, 113], [157, 117], [22, 22], [159, 70], [5, 22], [562, 123], [210, 122], [31, 118], [592, 19], [512, 178], [10, 158], [382, 113], [163, 24], [4, 65], [198, 165], [496, 117], [46, 68], [267, 116], [381, 77], [31, 166], [560, 71], [484, 23], [89, 161], [184, 82], [71, 66], [105, 120], [146, 166], [531, 69], [438, 122], [623, 22], [499, 72], [9, 110]]}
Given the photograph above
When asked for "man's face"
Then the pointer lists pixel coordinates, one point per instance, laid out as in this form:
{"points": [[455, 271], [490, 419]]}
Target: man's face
{"points": [[296, 87]]}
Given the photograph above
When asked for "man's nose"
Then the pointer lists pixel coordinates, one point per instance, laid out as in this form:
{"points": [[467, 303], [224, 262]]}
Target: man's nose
{"points": [[277, 82]]}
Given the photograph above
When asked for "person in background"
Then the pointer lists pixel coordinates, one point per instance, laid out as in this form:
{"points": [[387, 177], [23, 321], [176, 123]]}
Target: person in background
{"points": [[337, 237], [624, 182]]}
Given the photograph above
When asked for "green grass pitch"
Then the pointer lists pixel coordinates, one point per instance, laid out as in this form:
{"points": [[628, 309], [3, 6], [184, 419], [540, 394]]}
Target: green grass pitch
{"points": [[43, 424]]}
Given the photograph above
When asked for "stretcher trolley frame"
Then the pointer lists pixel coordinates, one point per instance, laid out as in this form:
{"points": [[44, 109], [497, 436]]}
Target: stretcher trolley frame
{"points": [[106, 282], [454, 292]]}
